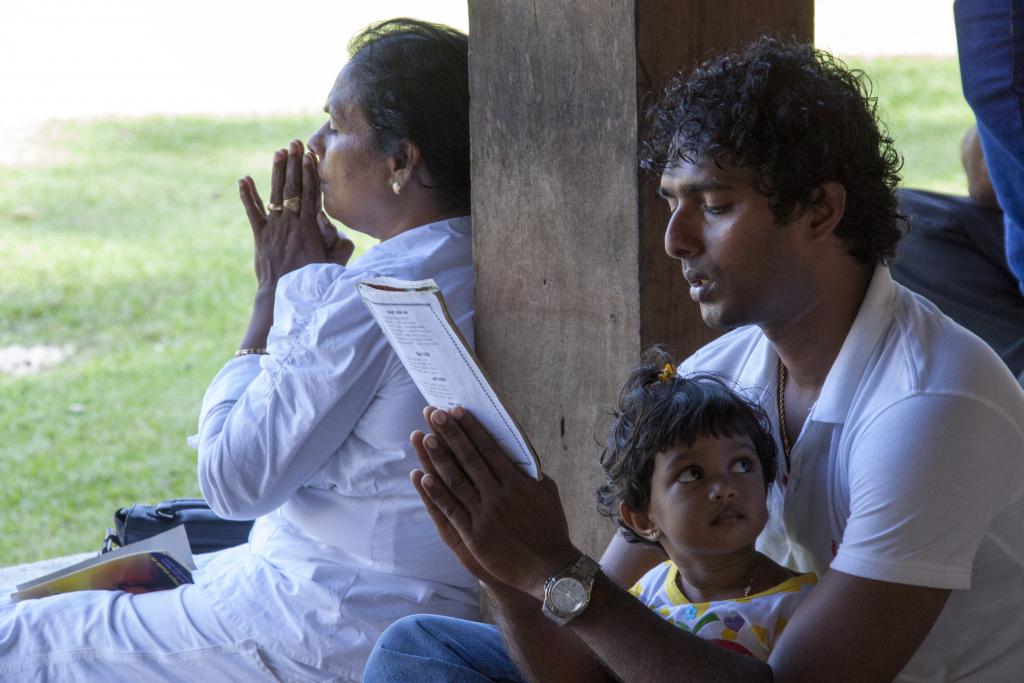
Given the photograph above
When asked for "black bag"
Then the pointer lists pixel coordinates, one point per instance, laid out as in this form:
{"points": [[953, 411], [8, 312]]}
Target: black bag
{"points": [[206, 531]]}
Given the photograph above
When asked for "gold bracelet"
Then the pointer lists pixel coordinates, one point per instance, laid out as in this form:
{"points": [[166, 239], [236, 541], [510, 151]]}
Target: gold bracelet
{"points": [[248, 352]]}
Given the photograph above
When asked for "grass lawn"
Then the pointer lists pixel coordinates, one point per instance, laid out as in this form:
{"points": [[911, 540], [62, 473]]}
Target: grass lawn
{"points": [[921, 102], [131, 248]]}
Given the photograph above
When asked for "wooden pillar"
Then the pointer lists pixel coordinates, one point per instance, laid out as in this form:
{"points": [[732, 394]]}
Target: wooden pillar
{"points": [[572, 279]]}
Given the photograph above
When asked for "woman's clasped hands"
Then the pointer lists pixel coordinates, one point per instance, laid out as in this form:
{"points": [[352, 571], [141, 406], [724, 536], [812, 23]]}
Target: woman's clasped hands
{"points": [[292, 231]]}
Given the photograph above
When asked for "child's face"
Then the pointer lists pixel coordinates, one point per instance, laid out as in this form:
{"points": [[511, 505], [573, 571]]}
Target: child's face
{"points": [[706, 500]]}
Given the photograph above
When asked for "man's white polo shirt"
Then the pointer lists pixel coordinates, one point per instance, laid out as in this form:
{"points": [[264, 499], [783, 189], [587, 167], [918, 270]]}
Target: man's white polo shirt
{"points": [[909, 469]]}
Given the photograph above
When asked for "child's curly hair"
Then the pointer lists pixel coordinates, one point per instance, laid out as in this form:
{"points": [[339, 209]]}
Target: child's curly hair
{"points": [[657, 411]]}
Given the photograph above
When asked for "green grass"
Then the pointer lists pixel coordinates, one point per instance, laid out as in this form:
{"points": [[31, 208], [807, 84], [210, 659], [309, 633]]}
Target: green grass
{"points": [[921, 102], [133, 248]]}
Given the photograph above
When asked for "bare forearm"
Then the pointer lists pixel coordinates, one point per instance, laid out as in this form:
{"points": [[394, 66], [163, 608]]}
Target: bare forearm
{"points": [[542, 650], [261, 320], [637, 645]]}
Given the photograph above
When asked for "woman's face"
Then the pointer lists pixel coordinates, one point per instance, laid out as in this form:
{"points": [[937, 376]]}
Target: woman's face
{"points": [[355, 177]]}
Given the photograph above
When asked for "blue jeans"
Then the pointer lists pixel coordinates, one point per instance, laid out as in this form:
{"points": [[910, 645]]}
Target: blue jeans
{"points": [[426, 647], [990, 41]]}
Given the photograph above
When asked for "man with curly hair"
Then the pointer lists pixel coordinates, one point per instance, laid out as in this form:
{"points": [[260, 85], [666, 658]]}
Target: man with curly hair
{"points": [[902, 434]]}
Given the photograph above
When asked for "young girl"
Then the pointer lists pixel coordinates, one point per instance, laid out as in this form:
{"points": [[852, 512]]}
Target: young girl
{"points": [[687, 468]]}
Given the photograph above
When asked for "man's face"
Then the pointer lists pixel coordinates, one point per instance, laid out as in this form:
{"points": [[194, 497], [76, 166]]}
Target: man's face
{"points": [[738, 262]]}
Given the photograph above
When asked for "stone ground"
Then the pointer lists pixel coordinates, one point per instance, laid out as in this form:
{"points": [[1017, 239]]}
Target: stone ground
{"points": [[26, 360]]}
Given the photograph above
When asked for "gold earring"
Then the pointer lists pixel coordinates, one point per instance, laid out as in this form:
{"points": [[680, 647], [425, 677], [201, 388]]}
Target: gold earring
{"points": [[655, 534], [397, 187]]}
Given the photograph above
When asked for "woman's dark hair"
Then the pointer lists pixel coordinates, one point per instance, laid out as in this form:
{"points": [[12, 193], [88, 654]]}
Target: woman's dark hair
{"points": [[411, 82], [654, 414], [796, 117]]}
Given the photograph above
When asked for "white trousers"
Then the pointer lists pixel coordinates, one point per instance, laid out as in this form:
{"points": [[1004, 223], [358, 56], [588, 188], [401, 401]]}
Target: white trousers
{"points": [[274, 609], [111, 636], [114, 636]]}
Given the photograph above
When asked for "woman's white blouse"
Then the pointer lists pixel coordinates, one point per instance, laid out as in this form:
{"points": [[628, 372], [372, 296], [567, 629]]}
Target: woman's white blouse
{"points": [[313, 440]]}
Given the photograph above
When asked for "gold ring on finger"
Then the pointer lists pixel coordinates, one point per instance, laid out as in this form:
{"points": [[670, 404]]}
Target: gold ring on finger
{"points": [[293, 204], [274, 207]]}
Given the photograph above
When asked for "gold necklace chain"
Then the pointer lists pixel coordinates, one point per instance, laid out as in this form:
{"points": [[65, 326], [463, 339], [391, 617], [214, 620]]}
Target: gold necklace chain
{"points": [[750, 578], [746, 591], [781, 403]]}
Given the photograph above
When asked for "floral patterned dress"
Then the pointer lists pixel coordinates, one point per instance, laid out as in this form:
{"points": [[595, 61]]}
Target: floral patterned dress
{"points": [[749, 626]]}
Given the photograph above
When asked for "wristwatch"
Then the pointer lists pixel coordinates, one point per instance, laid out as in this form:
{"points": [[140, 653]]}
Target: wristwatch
{"points": [[566, 595]]}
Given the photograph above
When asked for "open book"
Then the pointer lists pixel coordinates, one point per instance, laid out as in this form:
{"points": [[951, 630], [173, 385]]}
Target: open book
{"points": [[156, 563], [415, 321]]}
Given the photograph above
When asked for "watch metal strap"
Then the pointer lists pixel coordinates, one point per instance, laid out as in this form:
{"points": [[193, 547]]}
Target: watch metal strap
{"points": [[584, 569], [587, 565]]}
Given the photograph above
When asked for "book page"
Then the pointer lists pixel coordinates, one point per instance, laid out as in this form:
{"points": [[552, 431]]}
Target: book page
{"points": [[415, 321]]}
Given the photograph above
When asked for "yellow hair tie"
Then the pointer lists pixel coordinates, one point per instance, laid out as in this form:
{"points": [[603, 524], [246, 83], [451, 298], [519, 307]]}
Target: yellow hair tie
{"points": [[667, 374]]}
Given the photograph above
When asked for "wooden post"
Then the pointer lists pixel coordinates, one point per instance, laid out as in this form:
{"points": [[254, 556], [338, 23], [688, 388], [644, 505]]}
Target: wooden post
{"points": [[572, 279]]}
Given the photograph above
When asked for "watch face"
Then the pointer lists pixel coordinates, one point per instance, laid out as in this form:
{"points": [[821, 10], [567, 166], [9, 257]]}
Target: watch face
{"points": [[568, 595]]}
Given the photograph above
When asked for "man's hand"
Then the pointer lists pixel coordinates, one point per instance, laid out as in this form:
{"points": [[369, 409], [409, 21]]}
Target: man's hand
{"points": [[505, 527]]}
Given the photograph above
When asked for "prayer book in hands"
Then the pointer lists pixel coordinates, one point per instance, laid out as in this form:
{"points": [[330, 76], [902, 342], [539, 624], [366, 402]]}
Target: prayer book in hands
{"points": [[156, 563], [415, 320]]}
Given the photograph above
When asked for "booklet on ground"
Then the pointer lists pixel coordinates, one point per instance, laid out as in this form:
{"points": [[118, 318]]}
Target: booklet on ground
{"points": [[415, 321], [156, 563]]}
